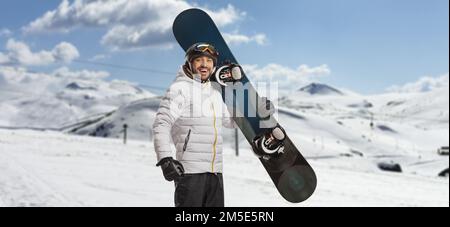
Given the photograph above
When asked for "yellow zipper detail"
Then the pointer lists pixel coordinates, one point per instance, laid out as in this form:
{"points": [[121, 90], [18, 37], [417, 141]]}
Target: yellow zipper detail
{"points": [[215, 139]]}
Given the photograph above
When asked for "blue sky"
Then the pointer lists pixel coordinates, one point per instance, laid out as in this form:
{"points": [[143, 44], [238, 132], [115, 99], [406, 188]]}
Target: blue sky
{"points": [[365, 45]]}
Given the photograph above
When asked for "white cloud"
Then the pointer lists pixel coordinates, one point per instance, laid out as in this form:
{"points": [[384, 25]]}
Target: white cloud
{"points": [[235, 38], [424, 84], [3, 58], [22, 80], [3, 82], [36, 99], [65, 52], [226, 16], [130, 24], [19, 53], [65, 72], [286, 77], [5, 32], [123, 37], [99, 57]]}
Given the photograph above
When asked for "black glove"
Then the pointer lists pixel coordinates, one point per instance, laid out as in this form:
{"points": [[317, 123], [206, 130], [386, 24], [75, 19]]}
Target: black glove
{"points": [[172, 169]]}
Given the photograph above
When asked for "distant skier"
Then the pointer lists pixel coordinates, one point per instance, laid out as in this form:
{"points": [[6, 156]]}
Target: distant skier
{"points": [[191, 115]]}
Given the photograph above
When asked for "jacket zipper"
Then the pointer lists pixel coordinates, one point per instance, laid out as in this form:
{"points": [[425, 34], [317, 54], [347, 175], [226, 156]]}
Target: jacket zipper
{"points": [[215, 139], [186, 140]]}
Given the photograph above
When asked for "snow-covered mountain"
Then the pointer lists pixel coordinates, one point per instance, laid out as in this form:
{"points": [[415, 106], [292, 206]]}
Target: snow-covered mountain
{"points": [[418, 108], [37, 100], [336, 128], [138, 116], [402, 128], [423, 109], [320, 89], [345, 136]]}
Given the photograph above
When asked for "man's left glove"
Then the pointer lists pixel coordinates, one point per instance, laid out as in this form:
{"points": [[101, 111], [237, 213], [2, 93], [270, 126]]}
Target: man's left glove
{"points": [[172, 169]]}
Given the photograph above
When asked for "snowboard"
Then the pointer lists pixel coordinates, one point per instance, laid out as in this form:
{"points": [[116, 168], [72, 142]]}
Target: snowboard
{"points": [[293, 177]]}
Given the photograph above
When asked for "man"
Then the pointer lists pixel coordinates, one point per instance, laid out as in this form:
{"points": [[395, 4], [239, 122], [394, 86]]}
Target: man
{"points": [[191, 115]]}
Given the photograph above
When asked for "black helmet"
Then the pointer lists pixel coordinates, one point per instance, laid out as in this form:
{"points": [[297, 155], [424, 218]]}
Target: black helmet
{"points": [[201, 49]]}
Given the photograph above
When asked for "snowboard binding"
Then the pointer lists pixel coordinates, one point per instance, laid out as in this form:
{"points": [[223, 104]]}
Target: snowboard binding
{"points": [[271, 144], [229, 72]]}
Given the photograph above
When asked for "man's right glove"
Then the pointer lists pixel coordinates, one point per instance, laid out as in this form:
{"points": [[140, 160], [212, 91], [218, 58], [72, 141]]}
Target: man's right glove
{"points": [[172, 169], [229, 72]]}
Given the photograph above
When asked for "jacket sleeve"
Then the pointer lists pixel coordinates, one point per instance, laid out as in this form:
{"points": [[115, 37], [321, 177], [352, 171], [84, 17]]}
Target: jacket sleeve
{"points": [[170, 109]]}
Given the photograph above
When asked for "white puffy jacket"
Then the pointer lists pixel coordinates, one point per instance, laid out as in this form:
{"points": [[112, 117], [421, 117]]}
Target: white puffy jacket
{"points": [[191, 115]]}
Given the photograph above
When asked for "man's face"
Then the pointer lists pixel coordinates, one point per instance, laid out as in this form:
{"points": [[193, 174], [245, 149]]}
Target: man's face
{"points": [[203, 65]]}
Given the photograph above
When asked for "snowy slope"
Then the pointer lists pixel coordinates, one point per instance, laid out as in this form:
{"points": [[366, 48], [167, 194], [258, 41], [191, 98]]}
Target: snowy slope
{"points": [[29, 99], [412, 113], [55, 169], [398, 128], [334, 129], [346, 136], [354, 145], [320, 89], [426, 109], [419, 106], [138, 116]]}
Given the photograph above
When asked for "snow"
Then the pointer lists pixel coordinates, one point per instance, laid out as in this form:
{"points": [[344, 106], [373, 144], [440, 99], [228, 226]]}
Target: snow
{"points": [[344, 136], [138, 116], [60, 98], [320, 89], [330, 127], [56, 169]]}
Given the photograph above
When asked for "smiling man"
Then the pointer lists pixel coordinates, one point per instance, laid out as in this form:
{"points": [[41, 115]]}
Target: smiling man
{"points": [[191, 115]]}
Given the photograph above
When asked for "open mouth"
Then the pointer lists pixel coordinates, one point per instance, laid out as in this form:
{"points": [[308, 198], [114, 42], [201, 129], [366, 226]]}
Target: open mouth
{"points": [[203, 70]]}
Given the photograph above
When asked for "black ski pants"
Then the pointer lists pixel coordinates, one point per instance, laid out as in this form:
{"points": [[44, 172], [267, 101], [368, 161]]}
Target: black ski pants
{"points": [[199, 190]]}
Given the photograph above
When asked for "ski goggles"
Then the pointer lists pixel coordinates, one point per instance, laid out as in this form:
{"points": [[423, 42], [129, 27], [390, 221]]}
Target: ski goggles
{"points": [[206, 48]]}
